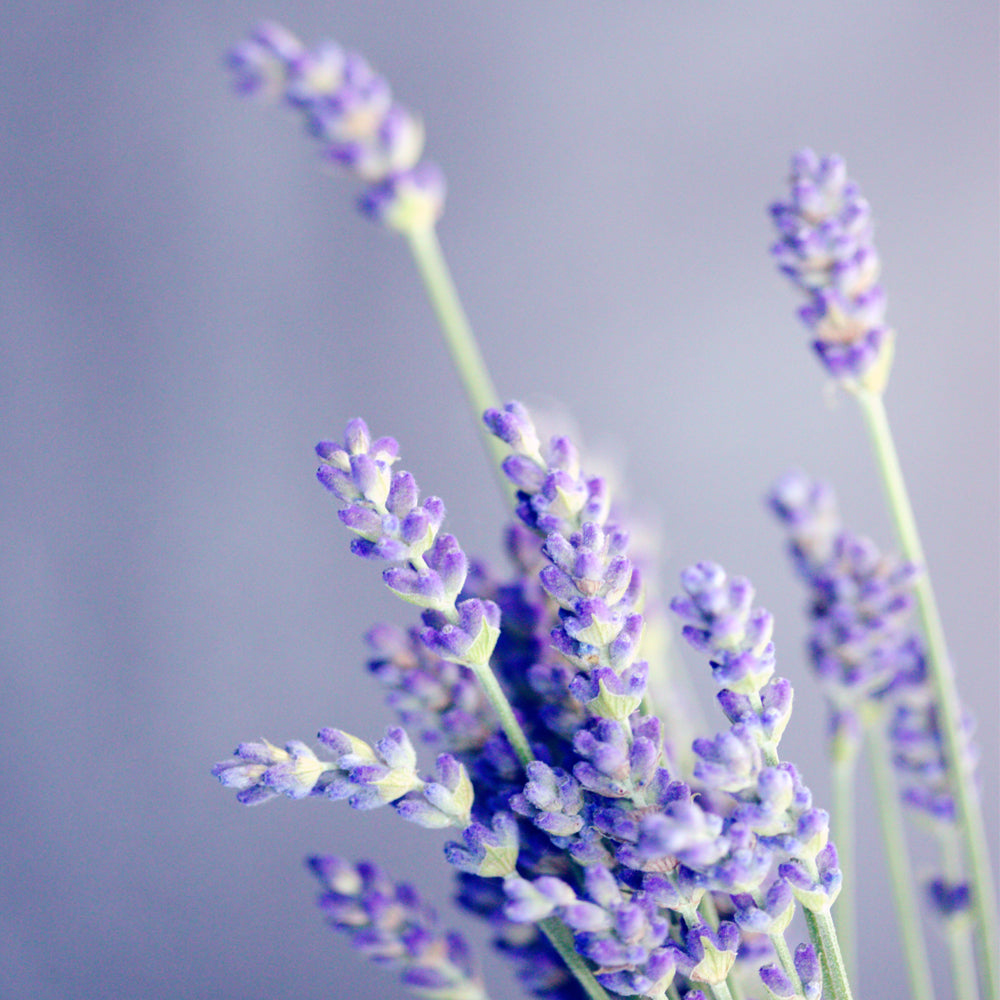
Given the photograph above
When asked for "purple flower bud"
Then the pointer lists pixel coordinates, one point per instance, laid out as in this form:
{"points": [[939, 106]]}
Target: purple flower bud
{"points": [[403, 494], [487, 851], [778, 985], [425, 590], [525, 473], [730, 762], [514, 427], [529, 902], [949, 898], [808, 967]]}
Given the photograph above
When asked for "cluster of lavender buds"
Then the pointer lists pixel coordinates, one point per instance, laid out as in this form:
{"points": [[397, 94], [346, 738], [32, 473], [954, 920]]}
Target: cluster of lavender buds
{"points": [[368, 777], [351, 111], [389, 923], [555, 776], [869, 662], [825, 247], [608, 861], [861, 643]]}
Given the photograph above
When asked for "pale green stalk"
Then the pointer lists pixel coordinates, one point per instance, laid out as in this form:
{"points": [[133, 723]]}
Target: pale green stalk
{"points": [[898, 859], [845, 835], [824, 938], [784, 953], [719, 990], [459, 338], [958, 928], [508, 723], [942, 679], [561, 939]]}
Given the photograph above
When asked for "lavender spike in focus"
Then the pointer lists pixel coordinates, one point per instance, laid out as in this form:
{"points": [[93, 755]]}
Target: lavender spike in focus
{"points": [[826, 248]]}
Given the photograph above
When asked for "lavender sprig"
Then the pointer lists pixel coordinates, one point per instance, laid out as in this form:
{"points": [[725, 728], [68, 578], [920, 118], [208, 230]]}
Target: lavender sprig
{"points": [[826, 248], [861, 650], [774, 809], [428, 569], [350, 110], [389, 923], [825, 227], [363, 131], [368, 777]]}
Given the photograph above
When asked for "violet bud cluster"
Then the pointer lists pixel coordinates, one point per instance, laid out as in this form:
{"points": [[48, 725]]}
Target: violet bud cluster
{"points": [[589, 575], [867, 655], [860, 640], [826, 247], [389, 923], [367, 777], [428, 569], [350, 110], [438, 700], [261, 771], [773, 811]]}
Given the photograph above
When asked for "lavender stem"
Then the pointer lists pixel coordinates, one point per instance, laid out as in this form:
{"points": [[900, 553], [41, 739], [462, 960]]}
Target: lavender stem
{"points": [[561, 939], [898, 861], [845, 833], [824, 938], [942, 679], [458, 337]]}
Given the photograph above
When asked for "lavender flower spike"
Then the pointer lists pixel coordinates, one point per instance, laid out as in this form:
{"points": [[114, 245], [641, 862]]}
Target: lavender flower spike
{"points": [[350, 110], [826, 248], [428, 569], [389, 923], [860, 642], [261, 771]]}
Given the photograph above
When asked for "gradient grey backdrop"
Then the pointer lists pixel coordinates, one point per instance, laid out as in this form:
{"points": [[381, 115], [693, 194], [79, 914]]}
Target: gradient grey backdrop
{"points": [[188, 304]]}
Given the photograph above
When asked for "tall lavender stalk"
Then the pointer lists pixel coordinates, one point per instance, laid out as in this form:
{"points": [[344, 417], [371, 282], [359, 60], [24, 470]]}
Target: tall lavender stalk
{"points": [[364, 132], [826, 248], [862, 652]]}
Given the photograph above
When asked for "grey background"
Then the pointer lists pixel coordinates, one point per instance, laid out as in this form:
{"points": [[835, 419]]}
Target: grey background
{"points": [[189, 303]]}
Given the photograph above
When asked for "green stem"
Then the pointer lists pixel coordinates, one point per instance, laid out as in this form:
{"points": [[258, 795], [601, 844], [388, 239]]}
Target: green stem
{"points": [[481, 394], [958, 927], [845, 834], [719, 990], [459, 338], [942, 678], [511, 727], [824, 938], [898, 858], [784, 954], [562, 940]]}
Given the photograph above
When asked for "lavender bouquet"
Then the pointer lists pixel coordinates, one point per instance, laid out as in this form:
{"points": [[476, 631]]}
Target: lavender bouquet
{"points": [[613, 854]]}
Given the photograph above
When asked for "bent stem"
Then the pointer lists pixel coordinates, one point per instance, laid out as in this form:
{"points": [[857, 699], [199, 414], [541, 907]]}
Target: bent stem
{"points": [[458, 337], [942, 678], [898, 859]]}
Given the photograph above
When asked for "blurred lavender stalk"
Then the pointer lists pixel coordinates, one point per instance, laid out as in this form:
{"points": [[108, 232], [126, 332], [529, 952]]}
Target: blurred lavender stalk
{"points": [[826, 248]]}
